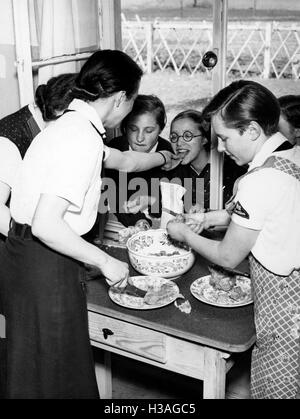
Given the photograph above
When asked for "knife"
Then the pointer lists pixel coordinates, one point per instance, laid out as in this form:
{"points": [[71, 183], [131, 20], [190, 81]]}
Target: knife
{"points": [[229, 270], [131, 289]]}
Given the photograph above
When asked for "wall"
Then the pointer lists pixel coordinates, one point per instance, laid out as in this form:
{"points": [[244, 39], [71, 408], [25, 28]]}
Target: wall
{"points": [[9, 96]]}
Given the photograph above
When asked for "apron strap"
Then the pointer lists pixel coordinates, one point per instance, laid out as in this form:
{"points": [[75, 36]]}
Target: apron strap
{"points": [[274, 162]]}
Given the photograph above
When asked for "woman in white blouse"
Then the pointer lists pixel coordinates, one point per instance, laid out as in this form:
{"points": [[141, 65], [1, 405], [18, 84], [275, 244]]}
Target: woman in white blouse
{"points": [[54, 202], [18, 129]]}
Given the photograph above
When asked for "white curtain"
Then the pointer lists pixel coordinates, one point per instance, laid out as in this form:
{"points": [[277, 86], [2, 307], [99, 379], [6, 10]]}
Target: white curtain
{"points": [[62, 27]]}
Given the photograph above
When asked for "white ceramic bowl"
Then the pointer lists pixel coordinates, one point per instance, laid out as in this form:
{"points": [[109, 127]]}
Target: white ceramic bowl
{"points": [[151, 253]]}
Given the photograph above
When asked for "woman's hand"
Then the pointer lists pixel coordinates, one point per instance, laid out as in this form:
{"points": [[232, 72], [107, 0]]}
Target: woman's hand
{"points": [[172, 160], [139, 204], [177, 230], [115, 271]]}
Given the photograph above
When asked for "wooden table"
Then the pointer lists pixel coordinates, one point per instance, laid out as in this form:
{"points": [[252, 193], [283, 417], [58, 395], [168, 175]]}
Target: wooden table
{"points": [[198, 345]]}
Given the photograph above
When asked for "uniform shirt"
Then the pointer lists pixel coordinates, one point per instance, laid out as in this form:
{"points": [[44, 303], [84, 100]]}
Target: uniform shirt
{"points": [[10, 159], [63, 160], [268, 200]]}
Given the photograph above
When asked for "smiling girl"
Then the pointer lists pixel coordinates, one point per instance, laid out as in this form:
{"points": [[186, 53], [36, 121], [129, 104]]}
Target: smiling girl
{"points": [[190, 138]]}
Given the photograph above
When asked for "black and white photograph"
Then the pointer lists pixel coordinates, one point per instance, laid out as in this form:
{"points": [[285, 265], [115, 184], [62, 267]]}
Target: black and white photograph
{"points": [[149, 202]]}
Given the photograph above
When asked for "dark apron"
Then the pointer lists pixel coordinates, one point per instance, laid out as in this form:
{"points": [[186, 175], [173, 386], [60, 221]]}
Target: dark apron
{"points": [[275, 366], [48, 348]]}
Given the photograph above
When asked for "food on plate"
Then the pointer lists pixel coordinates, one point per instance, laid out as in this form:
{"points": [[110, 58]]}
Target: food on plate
{"points": [[237, 293], [221, 279], [225, 283], [154, 292], [223, 287], [225, 280], [160, 295]]}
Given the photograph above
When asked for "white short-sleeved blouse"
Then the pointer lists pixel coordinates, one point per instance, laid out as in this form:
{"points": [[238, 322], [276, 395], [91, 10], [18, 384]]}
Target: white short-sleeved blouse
{"points": [[64, 160], [268, 200]]}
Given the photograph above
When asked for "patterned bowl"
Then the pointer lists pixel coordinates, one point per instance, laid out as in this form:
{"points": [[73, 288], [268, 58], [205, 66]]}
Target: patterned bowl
{"points": [[151, 253]]}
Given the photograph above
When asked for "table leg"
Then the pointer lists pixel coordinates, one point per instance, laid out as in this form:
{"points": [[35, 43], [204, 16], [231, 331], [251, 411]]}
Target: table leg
{"points": [[104, 377], [214, 374]]}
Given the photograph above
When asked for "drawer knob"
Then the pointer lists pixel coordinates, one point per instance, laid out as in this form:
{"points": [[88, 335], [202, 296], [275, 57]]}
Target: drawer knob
{"points": [[106, 333]]}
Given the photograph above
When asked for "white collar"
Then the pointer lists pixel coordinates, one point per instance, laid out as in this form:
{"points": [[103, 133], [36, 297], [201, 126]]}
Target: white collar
{"points": [[153, 149], [267, 149], [88, 112]]}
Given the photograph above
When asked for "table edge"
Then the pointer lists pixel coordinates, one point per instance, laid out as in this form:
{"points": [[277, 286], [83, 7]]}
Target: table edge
{"points": [[171, 331]]}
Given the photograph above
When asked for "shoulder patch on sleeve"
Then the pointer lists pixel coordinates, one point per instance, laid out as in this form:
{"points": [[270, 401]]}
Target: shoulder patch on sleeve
{"points": [[239, 210]]}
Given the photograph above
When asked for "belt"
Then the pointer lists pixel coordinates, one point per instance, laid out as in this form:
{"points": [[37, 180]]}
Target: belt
{"points": [[21, 230]]}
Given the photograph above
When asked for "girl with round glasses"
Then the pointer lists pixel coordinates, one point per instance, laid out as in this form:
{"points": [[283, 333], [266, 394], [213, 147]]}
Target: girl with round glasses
{"points": [[190, 138]]}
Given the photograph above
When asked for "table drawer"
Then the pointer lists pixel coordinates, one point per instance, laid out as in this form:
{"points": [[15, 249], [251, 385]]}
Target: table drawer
{"points": [[127, 337]]}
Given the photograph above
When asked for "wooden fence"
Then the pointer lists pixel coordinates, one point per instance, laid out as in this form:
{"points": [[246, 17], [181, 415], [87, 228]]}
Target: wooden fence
{"points": [[265, 49]]}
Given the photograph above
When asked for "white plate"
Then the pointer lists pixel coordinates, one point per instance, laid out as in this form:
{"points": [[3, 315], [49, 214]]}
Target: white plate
{"points": [[143, 282], [203, 291]]}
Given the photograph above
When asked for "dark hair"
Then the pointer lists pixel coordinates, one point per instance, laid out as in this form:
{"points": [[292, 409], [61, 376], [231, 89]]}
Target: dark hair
{"points": [[107, 72], [144, 104], [55, 96], [198, 119], [290, 109], [244, 101]]}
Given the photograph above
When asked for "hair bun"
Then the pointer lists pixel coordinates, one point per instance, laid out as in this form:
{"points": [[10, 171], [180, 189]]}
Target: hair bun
{"points": [[41, 98], [41, 92]]}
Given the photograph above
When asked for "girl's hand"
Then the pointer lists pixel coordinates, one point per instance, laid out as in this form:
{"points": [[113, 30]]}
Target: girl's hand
{"points": [[115, 271], [177, 230], [196, 228], [196, 208], [197, 222], [139, 204]]}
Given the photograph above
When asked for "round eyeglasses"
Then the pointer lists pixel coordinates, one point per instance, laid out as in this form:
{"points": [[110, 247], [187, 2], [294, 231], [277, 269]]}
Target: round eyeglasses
{"points": [[187, 136]]}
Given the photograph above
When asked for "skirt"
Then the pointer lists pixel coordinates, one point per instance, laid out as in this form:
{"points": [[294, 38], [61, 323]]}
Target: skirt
{"points": [[49, 355]]}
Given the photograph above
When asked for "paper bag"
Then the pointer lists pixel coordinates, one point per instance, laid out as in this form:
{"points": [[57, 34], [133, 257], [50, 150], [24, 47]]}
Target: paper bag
{"points": [[172, 203]]}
